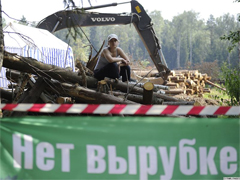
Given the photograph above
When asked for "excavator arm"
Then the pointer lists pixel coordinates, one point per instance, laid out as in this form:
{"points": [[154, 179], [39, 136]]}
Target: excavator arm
{"points": [[138, 16]]}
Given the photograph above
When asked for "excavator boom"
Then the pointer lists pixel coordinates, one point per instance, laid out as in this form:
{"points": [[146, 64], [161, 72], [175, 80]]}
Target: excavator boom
{"points": [[138, 17]]}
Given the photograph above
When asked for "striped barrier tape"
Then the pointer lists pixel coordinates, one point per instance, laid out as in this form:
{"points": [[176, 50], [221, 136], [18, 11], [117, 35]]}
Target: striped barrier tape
{"points": [[128, 109]]}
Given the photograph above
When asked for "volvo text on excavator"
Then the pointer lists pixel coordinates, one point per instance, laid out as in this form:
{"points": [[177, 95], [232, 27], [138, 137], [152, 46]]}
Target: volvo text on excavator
{"points": [[138, 17]]}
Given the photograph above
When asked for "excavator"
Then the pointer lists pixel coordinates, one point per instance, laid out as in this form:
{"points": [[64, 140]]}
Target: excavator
{"points": [[80, 17]]}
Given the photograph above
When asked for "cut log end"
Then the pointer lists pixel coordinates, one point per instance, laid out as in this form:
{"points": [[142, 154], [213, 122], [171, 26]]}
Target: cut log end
{"points": [[148, 86]]}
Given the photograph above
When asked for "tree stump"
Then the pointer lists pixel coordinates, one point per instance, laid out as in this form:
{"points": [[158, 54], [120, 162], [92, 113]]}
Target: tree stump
{"points": [[148, 93]]}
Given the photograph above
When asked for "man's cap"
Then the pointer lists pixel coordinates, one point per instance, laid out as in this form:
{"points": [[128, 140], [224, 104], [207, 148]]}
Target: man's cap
{"points": [[112, 36]]}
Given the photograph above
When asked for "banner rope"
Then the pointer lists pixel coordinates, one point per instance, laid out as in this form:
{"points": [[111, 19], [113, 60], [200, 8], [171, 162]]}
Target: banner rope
{"points": [[128, 109]]}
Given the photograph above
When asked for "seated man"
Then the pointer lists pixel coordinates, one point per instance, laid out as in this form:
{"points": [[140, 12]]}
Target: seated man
{"points": [[112, 62]]}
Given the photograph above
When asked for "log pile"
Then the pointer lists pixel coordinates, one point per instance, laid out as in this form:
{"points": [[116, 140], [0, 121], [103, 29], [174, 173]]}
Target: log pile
{"points": [[179, 81], [189, 81], [35, 82]]}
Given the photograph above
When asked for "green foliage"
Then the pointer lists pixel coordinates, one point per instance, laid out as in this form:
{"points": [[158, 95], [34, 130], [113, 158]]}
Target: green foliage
{"points": [[78, 43], [218, 95], [231, 76], [233, 37], [186, 38]]}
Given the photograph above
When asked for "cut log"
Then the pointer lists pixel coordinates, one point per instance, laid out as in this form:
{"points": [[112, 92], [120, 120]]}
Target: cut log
{"points": [[132, 89], [157, 80], [200, 77], [179, 75], [179, 103], [206, 77], [173, 78], [211, 83], [180, 80], [146, 73], [206, 90], [172, 73], [156, 88], [176, 85], [147, 93], [137, 98], [190, 83], [176, 91], [172, 87], [86, 95], [33, 66], [189, 91], [194, 73], [202, 83], [64, 100], [197, 82]]}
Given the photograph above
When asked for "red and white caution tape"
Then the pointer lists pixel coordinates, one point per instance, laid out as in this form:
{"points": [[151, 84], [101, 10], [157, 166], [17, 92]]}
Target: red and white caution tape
{"points": [[128, 109]]}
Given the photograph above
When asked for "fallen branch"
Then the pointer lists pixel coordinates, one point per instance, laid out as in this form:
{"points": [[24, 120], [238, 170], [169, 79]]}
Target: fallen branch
{"points": [[211, 83], [33, 66], [87, 95]]}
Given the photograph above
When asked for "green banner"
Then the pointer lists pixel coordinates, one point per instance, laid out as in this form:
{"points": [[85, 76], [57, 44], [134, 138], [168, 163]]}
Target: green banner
{"points": [[119, 148]]}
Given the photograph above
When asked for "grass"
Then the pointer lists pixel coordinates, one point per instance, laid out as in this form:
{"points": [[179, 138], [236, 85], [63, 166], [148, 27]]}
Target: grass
{"points": [[218, 95]]}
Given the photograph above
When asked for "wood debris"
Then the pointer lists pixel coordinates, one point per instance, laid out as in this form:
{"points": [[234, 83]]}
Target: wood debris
{"points": [[188, 82], [35, 82]]}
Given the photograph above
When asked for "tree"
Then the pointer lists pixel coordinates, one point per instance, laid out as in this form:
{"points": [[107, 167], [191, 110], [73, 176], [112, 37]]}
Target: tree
{"points": [[232, 75], [1, 38], [234, 38]]}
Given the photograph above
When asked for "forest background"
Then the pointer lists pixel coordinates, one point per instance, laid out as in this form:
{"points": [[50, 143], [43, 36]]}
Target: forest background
{"points": [[187, 42]]}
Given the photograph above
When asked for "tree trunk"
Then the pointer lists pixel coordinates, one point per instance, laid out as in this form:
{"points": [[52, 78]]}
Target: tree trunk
{"points": [[33, 66], [190, 54], [137, 98], [87, 95], [239, 47], [132, 89], [148, 93], [178, 51], [1, 38]]}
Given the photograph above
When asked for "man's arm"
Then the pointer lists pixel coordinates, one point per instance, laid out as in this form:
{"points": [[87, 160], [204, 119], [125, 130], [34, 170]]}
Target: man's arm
{"points": [[122, 54], [111, 59]]}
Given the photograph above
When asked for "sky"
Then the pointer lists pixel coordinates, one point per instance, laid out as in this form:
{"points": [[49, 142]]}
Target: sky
{"points": [[36, 10]]}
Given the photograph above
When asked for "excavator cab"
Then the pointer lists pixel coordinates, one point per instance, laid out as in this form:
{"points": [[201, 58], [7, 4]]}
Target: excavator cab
{"points": [[138, 17]]}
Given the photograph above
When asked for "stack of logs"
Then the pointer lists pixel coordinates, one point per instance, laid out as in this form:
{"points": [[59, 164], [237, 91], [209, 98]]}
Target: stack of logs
{"points": [[35, 82], [179, 81], [188, 82]]}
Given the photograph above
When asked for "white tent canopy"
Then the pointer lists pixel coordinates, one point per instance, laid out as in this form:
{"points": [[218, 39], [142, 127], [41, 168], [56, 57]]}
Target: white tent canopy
{"points": [[36, 43]]}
